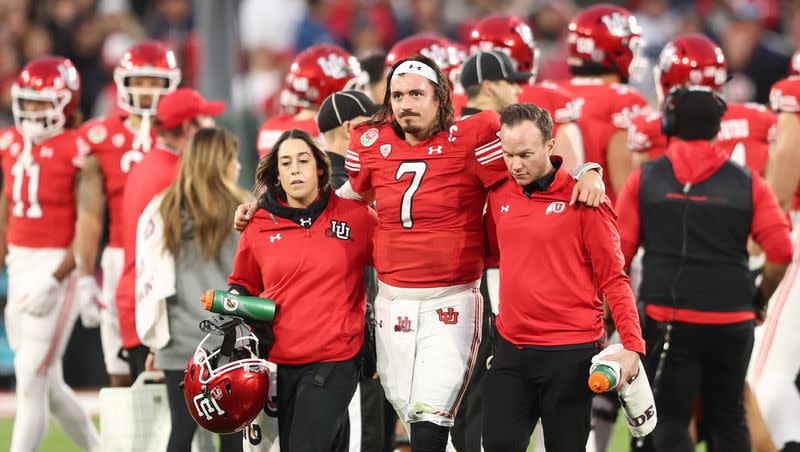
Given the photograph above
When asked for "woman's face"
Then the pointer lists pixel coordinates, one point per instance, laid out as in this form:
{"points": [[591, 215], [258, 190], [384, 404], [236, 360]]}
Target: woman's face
{"points": [[298, 173], [234, 168]]}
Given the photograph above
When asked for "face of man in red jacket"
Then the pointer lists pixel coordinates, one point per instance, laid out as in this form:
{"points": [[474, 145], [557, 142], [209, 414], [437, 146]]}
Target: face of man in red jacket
{"points": [[526, 153]]}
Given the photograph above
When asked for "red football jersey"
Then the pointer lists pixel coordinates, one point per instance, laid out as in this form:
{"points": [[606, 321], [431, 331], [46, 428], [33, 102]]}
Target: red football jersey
{"points": [[785, 98], [41, 196], [112, 143], [746, 132], [273, 128], [555, 100], [430, 198], [605, 108]]}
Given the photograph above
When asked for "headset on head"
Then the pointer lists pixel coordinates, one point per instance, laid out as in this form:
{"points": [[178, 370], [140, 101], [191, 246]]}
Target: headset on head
{"points": [[669, 121]]}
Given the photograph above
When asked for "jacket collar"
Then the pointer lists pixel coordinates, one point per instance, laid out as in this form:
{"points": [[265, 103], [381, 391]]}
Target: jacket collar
{"points": [[304, 217]]}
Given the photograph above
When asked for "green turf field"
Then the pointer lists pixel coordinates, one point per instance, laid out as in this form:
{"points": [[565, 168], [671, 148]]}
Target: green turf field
{"points": [[56, 441]]}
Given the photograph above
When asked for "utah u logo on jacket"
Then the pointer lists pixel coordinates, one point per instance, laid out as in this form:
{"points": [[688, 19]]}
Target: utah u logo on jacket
{"points": [[339, 230], [449, 317]]}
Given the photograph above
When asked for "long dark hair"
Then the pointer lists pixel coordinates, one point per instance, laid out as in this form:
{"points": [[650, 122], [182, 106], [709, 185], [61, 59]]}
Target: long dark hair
{"points": [[267, 171], [446, 114]]}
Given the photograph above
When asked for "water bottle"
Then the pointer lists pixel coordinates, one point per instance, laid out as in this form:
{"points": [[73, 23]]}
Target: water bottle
{"points": [[225, 303], [603, 377]]}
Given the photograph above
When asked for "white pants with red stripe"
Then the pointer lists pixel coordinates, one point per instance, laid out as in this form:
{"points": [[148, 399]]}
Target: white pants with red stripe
{"points": [[775, 362], [427, 339], [37, 341], [112, 263], [38, 344]]}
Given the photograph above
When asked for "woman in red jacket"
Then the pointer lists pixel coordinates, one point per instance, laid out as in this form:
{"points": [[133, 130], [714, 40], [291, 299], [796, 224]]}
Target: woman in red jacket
{"points": [[306, 249]]}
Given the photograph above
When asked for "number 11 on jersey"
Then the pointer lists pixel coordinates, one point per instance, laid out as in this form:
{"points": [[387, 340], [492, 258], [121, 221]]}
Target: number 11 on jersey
{"points": [[418, 170], [18, 172]]}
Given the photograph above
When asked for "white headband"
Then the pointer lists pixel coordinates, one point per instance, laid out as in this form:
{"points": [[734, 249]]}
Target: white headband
{"points": [[417, 67]]}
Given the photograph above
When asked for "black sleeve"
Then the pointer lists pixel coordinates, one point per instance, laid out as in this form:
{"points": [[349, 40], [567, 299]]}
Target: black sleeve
{"points": [[241, 289]]}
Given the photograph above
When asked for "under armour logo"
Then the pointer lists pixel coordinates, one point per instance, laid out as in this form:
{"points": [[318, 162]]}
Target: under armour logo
{"points": [[206, 406], [434, 150], [504, 208], [47, 152], [305, 222], [417, 67], [272, 238]]}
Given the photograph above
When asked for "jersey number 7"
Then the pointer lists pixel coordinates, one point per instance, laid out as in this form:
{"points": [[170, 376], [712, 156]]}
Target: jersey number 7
{"points": [[418, 170]]}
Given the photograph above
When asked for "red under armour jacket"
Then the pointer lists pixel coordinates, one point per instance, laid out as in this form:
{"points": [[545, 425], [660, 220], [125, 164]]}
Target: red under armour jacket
{"points": [[556, 262]]}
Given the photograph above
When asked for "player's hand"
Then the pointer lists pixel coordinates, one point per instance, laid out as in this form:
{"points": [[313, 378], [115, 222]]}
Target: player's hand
{"points": [[628, 362], [589, 189], [243, 215], [41, 299], [90, 306]]}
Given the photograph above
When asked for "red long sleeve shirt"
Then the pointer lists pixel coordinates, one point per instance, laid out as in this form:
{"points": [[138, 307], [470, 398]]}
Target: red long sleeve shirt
{"points": [[152, 175], [556, 261], [315, 277], [694, 162]]}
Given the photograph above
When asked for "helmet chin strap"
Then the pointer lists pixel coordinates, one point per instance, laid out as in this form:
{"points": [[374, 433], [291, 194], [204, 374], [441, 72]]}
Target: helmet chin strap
{"points": [[143, 139]]}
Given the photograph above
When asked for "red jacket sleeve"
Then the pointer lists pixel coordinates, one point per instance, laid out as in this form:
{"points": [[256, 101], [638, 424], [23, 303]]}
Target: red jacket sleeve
{"points": [[770, 228], [246, 270], [371, 224], [628, 215], [489, 163], [602, 243]]}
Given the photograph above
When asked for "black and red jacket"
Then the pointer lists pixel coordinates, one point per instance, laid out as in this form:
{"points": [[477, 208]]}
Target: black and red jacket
{"points": [[310, 261], [693, 211]]}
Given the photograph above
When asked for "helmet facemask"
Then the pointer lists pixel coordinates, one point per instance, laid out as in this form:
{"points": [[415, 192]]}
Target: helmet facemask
{"points": [[39, 124]]}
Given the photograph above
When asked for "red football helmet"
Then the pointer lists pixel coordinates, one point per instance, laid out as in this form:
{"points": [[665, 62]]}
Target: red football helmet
{"points": [[436, 47], [145, 59], [49, 80], [690, 59], [607, 35], [510, 34], [794, 65], [318, 72], [225, 396]]}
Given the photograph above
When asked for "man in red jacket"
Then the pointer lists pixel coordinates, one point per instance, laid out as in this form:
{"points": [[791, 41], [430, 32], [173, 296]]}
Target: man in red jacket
{"points": [[551, 315], [693, 211], [180, 114]]}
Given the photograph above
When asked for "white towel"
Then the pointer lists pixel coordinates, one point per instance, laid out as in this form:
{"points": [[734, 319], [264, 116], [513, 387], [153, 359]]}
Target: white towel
{"points": [[635, 396], [155, 278]]}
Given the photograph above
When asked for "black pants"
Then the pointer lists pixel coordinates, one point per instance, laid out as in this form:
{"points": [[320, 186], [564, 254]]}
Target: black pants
{"points": [[709, 360], [524, 385], [136, 358], [371, 421], [312, 400], [466, 432], [183, 425]]}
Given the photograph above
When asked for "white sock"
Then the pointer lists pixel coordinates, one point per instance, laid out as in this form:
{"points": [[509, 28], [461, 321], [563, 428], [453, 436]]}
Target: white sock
{"points": [[30, 423], [69, 412]]}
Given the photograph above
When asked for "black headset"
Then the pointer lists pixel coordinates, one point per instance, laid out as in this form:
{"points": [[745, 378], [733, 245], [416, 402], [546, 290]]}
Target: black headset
{"points": [[669, 122]]}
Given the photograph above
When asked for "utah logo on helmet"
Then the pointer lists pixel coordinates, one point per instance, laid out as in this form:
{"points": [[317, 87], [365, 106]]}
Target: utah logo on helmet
{"points": [[224, 392]]}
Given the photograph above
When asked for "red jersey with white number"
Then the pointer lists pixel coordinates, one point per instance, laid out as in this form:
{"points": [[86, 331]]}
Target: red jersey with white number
{"points": [[785, 98], [41, 194], [273, 128], [111, 141], [555, 100], [605, 109], [430, 198], [746, 132]]}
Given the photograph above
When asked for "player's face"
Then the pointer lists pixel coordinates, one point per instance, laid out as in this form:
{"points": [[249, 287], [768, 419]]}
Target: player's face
{"points": [[145, 84], [34, 106], [526, 155], [506, 93], [414, 103], [298, 172]]}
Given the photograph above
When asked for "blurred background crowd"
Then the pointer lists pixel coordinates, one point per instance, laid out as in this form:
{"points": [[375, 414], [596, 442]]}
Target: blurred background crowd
{"points": [[757, 36]]}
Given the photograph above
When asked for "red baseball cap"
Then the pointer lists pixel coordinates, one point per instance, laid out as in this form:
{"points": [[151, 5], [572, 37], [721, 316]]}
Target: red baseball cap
{"points": [[185, 104]]}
